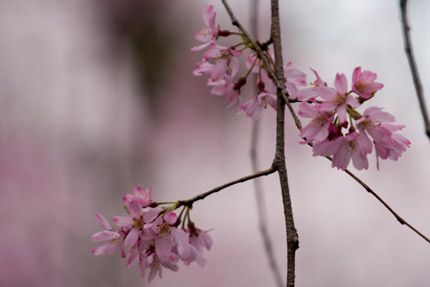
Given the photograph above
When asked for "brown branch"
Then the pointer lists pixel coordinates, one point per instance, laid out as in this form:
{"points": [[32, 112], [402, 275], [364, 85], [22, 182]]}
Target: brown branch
{"points": [[279, 161], [398, 217], [189, 202], [259, 195], [386, 205], [413, 66]]}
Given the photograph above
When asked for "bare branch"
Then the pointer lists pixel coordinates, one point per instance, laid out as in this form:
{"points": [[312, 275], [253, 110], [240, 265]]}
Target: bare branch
{"points": [[398, 217], [189, 202], [259, 195], [413, 66], [279, 161]]}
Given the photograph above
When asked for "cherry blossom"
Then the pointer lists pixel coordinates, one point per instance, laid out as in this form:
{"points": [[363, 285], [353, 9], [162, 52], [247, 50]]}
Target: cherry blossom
{"points": [[153, 236], [225, 62], [338, 99], [375, 122], [210, 32], [114, 238], [141, 196], [363, 83], [337, 129], [310, 94], [318, 127]]}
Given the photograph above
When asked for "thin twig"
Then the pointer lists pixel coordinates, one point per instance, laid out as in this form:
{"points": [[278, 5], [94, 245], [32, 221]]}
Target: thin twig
{"points": [[259, 195], [413, 66], [386, 205], [189, 202], [398, 217]]}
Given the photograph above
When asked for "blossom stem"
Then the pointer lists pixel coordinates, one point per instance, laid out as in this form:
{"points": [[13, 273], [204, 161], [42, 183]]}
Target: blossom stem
{"points": [[166, 202], [250, 69]]}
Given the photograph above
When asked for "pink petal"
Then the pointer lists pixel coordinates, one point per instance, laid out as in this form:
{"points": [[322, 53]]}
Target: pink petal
{"points": [[132, 256], [356, 75], [134, 209], [102, 220], [341, 84], [234, 66], [132, 237], [209, 15], [149, 214], [204, 35], [341, 113], [163, 248], [326, 93], [105, 235], [307, 110], [200, 47], [105, 249], [123, 221], [170, 217], [359, 161]]}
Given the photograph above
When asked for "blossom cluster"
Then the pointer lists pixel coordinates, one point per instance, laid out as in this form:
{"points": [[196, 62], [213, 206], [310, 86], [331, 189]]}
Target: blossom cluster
{"points": [[337, 129], [221, 64], [152, 236]]}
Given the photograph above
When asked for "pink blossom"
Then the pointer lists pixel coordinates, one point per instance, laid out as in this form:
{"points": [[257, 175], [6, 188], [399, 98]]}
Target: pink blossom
{"points": [[254, 107], [200, 238], [141, 196], [225, 87], [363, 83], [343, 149], [225, 62], [114, 238], [318, 128], [352, 146], [310, 94], [338, 99], [210, 32], [387, 144], [293, 78], [155, 264], [152, 237]]}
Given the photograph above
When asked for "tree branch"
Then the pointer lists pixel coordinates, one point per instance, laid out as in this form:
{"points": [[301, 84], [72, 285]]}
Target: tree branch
{"points": [[259, 195], [413, 66], [279, 161], [398, 217], [189, 202]]}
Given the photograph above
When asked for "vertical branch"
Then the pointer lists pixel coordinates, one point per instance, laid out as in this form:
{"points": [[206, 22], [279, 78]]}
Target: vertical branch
{"points": [[279, 161], [413, 66], [259, 196]]}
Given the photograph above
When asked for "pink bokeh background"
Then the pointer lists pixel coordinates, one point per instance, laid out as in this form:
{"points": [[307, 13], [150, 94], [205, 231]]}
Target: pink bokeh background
{"points": [[86, 113]]}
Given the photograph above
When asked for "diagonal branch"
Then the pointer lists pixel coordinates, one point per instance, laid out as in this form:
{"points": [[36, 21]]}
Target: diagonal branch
{"points": [[413, 66], [189, 202], [398, 217]]}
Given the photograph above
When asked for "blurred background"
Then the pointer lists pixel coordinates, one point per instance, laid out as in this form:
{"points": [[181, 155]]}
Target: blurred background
{"points": [[98, 96]]}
